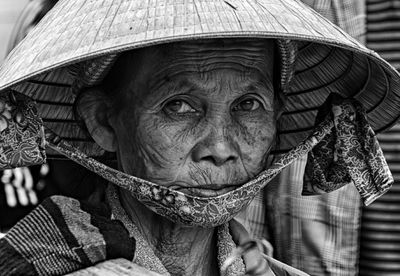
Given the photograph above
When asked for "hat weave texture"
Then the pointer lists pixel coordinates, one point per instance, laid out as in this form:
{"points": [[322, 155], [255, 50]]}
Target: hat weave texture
{"points": [[74, 31]]}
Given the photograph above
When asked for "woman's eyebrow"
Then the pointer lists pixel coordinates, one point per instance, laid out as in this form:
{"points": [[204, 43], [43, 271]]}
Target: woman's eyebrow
{"points": [[169, 88], [257, 86]]}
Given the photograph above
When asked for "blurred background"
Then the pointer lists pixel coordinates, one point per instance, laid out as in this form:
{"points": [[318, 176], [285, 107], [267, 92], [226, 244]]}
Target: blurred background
{"points": [[9, 12], [22, 189]]}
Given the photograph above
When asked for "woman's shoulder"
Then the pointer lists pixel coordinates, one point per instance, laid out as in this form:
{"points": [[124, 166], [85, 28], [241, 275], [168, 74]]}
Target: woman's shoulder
{"points": [[62, 235]]}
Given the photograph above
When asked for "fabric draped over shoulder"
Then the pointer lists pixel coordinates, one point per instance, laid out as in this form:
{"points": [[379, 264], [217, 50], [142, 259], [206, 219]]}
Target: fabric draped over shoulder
{"points": [[63, 235]]}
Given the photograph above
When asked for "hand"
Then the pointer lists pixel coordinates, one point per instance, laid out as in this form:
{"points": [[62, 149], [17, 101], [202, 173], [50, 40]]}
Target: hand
{"points": [[256, 264]]}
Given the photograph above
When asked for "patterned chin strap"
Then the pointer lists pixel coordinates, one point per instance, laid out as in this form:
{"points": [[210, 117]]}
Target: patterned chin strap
{"points": [[342, 149]]}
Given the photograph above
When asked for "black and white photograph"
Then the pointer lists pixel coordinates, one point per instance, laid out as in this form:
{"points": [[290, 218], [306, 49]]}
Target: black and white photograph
{"points": [[200, 137]]}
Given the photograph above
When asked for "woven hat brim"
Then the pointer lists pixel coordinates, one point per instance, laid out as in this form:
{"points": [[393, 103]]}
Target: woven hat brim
{"points": [[321, 70], [329, 60]]}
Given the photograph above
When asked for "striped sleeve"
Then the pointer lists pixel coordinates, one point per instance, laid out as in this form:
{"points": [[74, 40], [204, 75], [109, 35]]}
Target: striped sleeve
{"points": [[12, 262], [63, 235]]}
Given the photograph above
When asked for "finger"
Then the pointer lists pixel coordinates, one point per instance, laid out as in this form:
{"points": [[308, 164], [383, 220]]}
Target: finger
{"points": [[254, 261]]}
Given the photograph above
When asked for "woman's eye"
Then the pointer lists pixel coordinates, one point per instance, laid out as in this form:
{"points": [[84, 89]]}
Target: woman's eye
{"points": [[247, 105], [178, 107]]}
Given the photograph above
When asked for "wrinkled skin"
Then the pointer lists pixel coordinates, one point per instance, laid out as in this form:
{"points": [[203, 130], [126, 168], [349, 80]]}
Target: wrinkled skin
{"points": [[198, 117]]}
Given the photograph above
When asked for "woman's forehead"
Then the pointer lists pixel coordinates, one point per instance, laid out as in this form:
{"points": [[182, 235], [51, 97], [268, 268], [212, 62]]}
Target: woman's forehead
{"points": [[205, 55], [156, 65]]}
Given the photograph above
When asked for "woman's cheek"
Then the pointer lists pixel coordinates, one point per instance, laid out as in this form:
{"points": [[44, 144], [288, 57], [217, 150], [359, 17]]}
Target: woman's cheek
{"points": [[255, 145], [165, 141]]}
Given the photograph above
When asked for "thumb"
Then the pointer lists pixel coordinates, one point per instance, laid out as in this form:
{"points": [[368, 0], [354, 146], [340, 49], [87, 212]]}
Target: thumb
{"points": [[254, 261]]}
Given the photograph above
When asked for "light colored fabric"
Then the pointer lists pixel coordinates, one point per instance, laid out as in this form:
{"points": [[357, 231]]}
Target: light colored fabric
{"points": [[350, 15], [317, 234], [253, 217]]}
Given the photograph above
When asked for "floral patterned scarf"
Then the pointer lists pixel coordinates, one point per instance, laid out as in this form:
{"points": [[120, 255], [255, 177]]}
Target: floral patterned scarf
{"points": [[342, 149]]}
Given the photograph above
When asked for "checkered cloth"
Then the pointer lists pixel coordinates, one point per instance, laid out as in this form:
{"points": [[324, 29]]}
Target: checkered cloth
{"points": [[350, 15], [317, 234]]}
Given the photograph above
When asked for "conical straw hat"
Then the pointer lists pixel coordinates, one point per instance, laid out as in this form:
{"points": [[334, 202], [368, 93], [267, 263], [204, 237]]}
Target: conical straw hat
{"points": [[328, 60]]}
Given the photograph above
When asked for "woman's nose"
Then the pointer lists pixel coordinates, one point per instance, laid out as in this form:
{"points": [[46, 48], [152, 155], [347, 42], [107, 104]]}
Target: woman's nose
{"points": [[217, 152]]}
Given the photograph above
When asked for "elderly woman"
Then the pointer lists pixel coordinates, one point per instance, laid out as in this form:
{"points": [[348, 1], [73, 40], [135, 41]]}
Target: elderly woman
{"points": [[190, 99]]}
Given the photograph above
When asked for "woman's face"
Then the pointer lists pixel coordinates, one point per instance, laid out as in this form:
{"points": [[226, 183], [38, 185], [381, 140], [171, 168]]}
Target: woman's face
{"points": [[198, 117]]}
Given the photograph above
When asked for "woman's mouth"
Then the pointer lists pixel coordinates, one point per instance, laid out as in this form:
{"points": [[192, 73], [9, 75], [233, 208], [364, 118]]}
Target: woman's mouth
{"points": [[210, 190]]}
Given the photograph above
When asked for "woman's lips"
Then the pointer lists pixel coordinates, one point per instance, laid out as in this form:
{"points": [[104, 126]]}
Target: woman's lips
{"points": [[205, 190]]}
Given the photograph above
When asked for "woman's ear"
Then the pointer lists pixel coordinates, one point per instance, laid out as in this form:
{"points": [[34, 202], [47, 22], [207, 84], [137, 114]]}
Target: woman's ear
{"points": [[93, 107]]}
